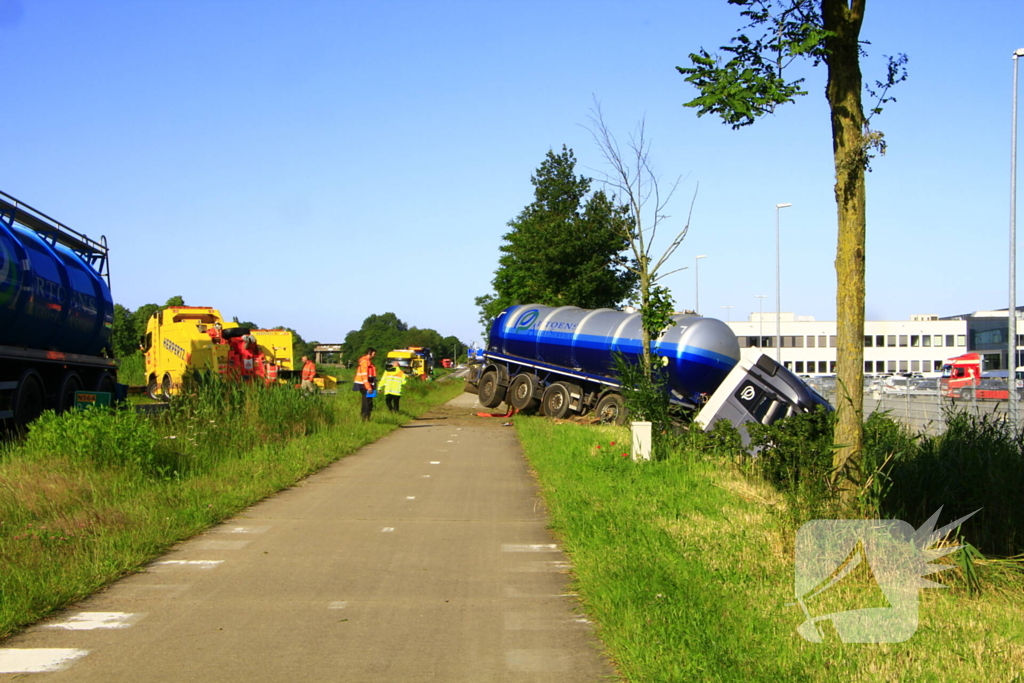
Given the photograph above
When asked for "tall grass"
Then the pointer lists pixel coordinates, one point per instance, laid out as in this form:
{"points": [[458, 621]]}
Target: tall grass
{"points": [[91, 495], [686, 566], [131, 370]]}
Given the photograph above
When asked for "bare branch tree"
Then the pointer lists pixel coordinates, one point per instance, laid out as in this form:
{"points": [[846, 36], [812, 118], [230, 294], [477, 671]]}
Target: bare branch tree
{"points": [[634, 181]]}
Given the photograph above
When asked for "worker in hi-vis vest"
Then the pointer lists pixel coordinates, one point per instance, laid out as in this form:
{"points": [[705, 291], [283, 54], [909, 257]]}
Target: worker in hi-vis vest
{"points": [[308, 373], [365, 381], [392, 383]]}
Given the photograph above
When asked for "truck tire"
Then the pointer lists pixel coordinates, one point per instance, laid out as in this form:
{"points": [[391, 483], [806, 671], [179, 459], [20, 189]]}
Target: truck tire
{"points": [[966, 394], [106, 382], [29, 399], [152, 388], [69, 384], [556, 401], [521, 391], [489, 392], [611, 409], [165, 388]]}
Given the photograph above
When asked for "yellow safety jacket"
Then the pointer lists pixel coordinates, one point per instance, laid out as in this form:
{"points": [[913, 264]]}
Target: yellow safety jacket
{"points": [[393, 382]]}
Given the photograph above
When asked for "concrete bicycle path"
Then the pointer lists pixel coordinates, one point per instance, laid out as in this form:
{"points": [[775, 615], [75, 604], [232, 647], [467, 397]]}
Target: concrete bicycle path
{"points": [[423, 557]]}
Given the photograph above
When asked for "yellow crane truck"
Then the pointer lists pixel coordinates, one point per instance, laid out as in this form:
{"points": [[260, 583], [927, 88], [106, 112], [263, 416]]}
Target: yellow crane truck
{"points": [[197, 338]]}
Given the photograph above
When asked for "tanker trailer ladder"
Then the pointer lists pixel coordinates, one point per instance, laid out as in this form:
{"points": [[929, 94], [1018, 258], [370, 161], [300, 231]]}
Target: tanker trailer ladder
{"points": [[54, 232], [56, 314]]}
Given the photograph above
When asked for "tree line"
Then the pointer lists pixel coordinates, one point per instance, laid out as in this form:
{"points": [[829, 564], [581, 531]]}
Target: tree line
{"points": [[386, 332]]}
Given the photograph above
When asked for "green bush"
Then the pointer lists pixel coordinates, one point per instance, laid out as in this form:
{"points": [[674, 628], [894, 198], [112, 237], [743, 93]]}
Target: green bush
{"points": [[100, 436]]}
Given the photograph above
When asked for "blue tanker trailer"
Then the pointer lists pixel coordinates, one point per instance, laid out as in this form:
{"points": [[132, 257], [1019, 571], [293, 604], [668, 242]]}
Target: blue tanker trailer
{"points": [[561, 360], [56, 314]]}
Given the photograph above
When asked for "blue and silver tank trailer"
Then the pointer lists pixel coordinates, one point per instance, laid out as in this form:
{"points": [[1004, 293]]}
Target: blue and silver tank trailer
{"points": [[562, 360], [56, 313]]}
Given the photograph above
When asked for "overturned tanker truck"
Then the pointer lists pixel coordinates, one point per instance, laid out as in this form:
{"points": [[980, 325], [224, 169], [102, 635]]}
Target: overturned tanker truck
{"points": [[561, 360]]}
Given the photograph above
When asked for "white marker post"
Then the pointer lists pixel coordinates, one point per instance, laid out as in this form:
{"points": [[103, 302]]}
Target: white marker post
{"points": [[641, 440]]}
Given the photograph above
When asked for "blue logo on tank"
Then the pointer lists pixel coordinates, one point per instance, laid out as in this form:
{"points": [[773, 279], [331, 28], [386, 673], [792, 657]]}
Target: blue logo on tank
{"points": [[526, 320]]}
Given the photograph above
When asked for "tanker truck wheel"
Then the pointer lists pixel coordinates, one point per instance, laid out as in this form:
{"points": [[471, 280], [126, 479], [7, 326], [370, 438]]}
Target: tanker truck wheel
{"points": [[611, 409], [966, 394], [69, 384], [106, 383], [556, 400], [29, 400], [489, 392], [521, 391]]}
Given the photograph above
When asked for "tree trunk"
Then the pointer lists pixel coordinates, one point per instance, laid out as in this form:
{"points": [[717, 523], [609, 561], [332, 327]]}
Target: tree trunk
{"points": [[844, 18]]}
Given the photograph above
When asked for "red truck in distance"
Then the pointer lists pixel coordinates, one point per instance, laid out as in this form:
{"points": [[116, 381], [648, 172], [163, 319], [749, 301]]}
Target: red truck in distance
{"points": [[962, 378]]}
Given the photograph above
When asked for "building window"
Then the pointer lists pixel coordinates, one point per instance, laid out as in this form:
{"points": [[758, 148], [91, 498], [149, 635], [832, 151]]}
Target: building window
{"points": [[879, 340], [891, 340], [938, 366], [789, 365], [821, 341], [867, 341], [822, 366], [903, 340], [799, 366], [879, 366], [832, 365], [949, 340], [798, 342], [891, 366], [832, 341], [926, 340], [915, 366], [961, 340], [903, 366], [915, 341], [810, 342], [868, 365]]}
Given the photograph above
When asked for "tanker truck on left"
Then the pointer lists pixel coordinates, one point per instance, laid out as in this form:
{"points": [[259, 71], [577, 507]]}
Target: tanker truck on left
{"points": [[56, 314]]}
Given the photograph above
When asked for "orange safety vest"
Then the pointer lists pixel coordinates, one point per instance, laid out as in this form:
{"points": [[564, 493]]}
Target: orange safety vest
{"points": [[364, 371], [309, 370]]}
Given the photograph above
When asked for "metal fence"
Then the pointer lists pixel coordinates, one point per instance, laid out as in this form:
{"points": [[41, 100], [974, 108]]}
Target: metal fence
{"points": [[922, 411]]}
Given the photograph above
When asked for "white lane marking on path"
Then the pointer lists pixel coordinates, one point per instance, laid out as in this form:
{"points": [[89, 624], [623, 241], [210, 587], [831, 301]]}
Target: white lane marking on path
{"points": [[531, 621], [337, 604], [200, 564], [410, 497], [246, 529], [548, 566], [450, 441], [529, 548], [387, 529], [426, 476], [37, 660], [212, 544], [435, 462], [87, 621]]}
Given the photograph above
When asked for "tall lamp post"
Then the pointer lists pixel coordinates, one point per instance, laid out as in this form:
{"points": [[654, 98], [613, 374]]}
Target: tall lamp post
{"points": [[696, 284], [1011, 310], [760, 318], [727, 313], [778, 290]]}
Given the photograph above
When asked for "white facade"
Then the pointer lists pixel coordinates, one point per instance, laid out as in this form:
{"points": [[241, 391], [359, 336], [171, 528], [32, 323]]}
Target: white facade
{"points": [[921, 344]]}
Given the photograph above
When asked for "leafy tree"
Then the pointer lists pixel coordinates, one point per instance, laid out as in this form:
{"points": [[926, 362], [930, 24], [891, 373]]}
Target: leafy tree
{"points": [[565, 248], [383, 332], [124, 339], [175, 301], [752, 84]]}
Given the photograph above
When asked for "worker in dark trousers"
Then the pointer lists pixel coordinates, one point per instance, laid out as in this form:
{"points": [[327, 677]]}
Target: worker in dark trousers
{"points": [[392, 383], [365, 382]]}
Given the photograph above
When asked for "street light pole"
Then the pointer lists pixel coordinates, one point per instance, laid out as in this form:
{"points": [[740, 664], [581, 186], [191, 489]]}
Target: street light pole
{"points": [[760, 318], [778, 289], [1011, 309], [696, 284], [727, 313]]}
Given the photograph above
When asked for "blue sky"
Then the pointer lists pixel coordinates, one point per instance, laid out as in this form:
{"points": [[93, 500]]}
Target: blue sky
{"points": [[311, 163]]}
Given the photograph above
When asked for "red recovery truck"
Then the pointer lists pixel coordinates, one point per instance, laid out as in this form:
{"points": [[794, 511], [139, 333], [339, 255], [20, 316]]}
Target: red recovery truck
{"points": [[963, 378]]}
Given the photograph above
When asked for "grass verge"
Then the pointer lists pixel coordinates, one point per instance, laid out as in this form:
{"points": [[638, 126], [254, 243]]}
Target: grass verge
{"points": [[687, 568], [91, 496]]}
